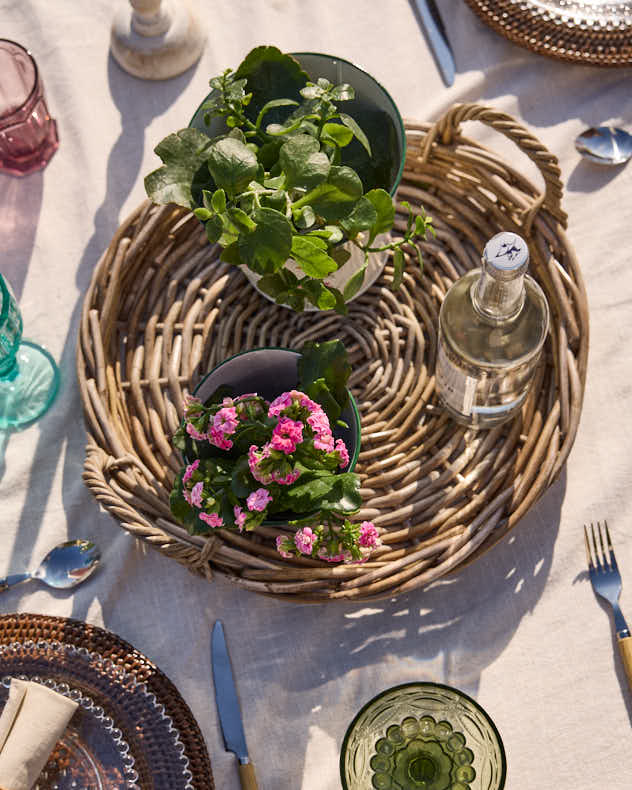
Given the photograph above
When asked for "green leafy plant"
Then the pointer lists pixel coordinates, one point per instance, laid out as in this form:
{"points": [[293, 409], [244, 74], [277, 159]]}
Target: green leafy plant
{"points": [[248, 460], [273, 186]]}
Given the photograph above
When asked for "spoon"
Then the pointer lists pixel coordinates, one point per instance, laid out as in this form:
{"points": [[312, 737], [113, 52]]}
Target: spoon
{"points": [[64, 566], [606, 145]]}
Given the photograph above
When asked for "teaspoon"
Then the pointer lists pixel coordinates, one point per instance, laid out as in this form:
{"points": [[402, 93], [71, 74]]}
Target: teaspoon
{"points": [[64, 566], [606, 145]]}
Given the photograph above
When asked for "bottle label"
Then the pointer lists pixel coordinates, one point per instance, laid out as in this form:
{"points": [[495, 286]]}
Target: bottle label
{"points": [[456, 386]]}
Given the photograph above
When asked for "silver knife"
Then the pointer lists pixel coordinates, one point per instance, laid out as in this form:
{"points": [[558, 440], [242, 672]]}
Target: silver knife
{"points": [[228, 707], [435, 32]]}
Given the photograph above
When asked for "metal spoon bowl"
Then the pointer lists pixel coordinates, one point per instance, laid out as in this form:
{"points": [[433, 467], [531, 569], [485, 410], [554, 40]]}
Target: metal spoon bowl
{"points": [[67, 565], [605, 145]]}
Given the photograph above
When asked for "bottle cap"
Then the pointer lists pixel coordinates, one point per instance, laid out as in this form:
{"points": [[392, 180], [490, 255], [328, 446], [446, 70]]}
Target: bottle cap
{"points": [[506, 256]]}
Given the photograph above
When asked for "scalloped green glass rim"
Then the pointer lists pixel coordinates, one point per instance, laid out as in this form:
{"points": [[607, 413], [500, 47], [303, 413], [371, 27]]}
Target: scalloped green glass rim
{"points": [[423, 684], [396, 113]]}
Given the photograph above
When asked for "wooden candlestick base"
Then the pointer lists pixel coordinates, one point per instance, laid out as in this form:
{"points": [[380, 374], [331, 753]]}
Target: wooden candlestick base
{"points": [[156, 39]]}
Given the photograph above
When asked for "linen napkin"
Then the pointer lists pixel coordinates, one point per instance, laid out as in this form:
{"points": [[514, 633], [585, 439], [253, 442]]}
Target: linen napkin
{"points": [[32, 722]]}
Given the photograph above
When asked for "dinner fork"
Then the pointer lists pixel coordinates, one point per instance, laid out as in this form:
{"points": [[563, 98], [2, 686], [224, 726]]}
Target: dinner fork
{"points": [[606, 582]]}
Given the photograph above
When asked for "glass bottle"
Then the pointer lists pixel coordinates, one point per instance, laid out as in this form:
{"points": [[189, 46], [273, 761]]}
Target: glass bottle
{"points": [[492, 325]]}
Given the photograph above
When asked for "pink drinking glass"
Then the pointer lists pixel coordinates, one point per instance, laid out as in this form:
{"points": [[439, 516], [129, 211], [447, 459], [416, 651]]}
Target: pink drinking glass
{"points": [[28, 135]]}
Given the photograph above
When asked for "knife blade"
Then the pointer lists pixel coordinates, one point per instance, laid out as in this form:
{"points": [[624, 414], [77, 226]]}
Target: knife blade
{"points": [[437, 38], [228, 707]]}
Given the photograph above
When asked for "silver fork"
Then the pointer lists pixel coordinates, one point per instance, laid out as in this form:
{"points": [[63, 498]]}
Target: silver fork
{"points": [[606, 582]]}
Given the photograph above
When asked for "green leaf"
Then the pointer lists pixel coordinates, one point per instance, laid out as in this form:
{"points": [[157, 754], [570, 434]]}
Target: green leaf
{"points": [[183, 156], [337, 134], [336, 197], [385, 212], [354, 283], [207, 200], [202, 214], [335, 493], [313, 260], [341, 255], [328, 361], [270, 105], [319, 295], [268, 246], [218, 201], [277, 200], [270, 73], [352, 124], [232, 164], [214, 228], [305, 218], [303, 163], [241, 219], [398, 266], [362, 217], [230, 254], [343, 92]]}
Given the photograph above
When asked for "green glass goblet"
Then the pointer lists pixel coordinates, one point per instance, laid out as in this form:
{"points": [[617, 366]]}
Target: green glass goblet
{"points": [[29, 377], [422, 736]]}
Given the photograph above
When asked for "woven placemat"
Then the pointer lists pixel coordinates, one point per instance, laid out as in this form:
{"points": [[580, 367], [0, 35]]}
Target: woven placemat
{"points": [[571, 30], [21, 628], [162, 310]]}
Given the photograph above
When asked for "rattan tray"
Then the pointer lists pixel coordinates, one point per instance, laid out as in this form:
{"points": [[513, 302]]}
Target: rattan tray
{"points": [[35, 629], [162, 310]]}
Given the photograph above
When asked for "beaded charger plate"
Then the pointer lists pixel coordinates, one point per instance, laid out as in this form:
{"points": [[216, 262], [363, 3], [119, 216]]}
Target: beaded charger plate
{"points": [[162, 310], [598, 32], [131, 728]]}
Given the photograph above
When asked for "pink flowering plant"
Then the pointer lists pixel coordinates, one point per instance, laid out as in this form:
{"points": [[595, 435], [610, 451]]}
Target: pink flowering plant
{"points": [[249, 460]]}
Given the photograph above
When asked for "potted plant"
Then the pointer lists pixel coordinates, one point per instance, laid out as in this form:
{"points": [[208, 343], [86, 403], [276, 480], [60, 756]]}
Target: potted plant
{"points": [[287, 182], [287, 459]]}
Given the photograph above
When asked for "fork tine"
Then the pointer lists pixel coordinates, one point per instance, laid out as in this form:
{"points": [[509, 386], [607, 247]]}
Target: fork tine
{"points": [[591, 564], [598, 560], [611, 556], [604, 553]]}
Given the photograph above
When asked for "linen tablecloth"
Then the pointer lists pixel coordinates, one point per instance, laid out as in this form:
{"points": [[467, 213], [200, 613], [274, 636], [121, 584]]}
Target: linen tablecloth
{"points": [[520, 629]]}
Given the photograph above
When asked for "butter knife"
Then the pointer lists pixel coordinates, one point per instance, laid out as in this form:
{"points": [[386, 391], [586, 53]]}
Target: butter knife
{"points": [[228, 707], [437, 38]]}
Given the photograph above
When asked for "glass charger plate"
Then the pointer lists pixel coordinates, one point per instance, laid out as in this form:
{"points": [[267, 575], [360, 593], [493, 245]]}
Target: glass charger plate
{"points": [[131, 730], [582, 31]]}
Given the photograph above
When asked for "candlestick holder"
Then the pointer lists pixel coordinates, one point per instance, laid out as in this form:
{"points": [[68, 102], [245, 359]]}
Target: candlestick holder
{"points": [[156, 39]]}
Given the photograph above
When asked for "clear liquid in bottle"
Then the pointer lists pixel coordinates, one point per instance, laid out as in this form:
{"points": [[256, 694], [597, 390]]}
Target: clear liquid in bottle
{"points": [[492, 325]]}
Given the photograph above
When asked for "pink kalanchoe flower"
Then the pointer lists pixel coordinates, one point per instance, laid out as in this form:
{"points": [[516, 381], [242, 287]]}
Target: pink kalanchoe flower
{"points": [[286, 435], [341, 449], [305, 539], [280, 543], [189, 471], [319, 422], [279, 404], [369, 536], [308, 403], [226, 420], [194, 433], [217, 438], [258, 500], [196, 494], [290, 477], [240, 517], [255, 457], [212, 519], [324, 441]]}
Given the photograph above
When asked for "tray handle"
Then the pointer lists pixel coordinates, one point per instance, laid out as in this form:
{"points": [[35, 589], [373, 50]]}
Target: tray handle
{"points": [[447, 128]]}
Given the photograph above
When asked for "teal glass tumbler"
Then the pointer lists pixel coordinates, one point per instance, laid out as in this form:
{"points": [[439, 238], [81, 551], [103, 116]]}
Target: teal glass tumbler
{"points": [[29, 376]]}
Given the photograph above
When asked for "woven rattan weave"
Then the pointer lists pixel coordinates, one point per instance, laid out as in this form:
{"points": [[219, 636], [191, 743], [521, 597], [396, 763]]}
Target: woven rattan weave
{"points": [[570, 30], [34, 628], [162, 310]]}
